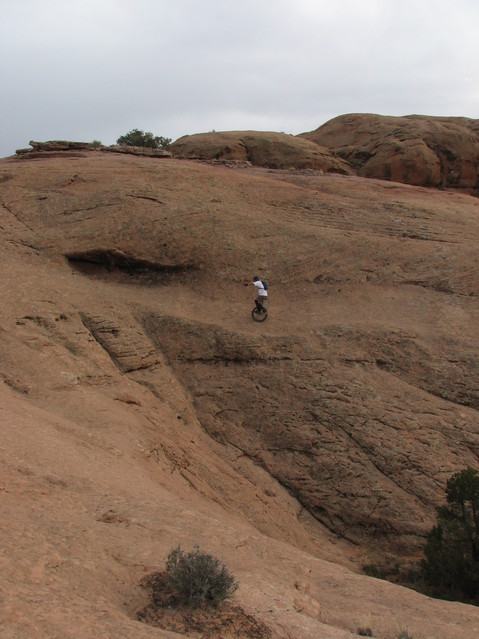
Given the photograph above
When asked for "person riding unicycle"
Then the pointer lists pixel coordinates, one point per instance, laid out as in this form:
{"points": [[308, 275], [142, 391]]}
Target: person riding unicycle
{"points": [[262, 292]]}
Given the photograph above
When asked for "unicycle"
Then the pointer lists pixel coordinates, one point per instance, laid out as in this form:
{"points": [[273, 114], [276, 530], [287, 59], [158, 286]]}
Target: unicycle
{"points": [[259, 313]]}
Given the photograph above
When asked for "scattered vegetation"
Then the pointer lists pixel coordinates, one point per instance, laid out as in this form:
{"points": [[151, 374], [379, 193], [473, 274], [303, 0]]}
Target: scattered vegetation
{"points": [[372, 570], [404, 634], [408, 574], [186, 598], [197, 579], [387, 568], [141, 138], [375, 570], [364, 632], [451, 553]]}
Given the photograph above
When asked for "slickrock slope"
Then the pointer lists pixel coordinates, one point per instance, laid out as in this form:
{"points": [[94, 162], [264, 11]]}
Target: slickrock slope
{"points": [[142, 408], [264, 149], [422, 150]]}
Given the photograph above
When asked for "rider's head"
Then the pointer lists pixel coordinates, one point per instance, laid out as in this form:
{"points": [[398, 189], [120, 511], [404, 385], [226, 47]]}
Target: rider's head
{"points": [[255, 278]]}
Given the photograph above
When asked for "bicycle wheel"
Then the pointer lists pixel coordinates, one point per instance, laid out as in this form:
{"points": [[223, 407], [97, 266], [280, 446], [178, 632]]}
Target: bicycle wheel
{"points": [[259, 315]]}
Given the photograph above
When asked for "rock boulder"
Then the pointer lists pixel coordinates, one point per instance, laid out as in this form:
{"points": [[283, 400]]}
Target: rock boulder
{"points": [[420, 150], [265, 149]]}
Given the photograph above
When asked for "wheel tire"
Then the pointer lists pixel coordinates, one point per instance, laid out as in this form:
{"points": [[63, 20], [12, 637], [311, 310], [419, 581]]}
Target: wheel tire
{"points": [[259, 316]]}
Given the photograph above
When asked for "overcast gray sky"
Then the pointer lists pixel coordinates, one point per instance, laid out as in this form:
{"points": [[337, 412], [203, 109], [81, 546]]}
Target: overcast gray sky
{"points": [[89, 70]]}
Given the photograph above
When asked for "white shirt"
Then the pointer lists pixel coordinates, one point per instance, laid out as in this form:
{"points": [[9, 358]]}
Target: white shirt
{"points": [[261, 290]]}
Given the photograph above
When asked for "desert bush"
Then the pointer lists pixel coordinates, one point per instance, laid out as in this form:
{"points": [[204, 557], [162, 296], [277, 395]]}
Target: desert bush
{"points": [[196, 578], [364, 632], [373, 570], [451, 553], [140, 138], [386, 569]]}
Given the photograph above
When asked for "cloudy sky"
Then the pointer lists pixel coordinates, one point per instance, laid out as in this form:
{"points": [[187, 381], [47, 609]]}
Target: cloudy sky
{"points": [[89, 70]]}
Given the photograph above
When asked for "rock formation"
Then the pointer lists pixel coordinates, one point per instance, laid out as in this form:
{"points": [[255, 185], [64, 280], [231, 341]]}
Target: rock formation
{"points": [[60, 148], [141, 408], [265, 149], [421, 150]]}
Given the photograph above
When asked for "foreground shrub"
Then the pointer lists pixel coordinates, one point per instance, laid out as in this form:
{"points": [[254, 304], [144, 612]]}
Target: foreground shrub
{"points": [[197, 579], [451, 563]]}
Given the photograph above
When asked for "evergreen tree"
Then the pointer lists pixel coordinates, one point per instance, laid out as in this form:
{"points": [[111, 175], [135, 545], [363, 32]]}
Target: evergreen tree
{"points": [[451, 563]]}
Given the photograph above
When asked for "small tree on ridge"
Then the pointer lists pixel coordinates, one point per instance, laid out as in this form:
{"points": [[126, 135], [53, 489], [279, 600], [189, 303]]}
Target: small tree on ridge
{"points": [[141, 138]]}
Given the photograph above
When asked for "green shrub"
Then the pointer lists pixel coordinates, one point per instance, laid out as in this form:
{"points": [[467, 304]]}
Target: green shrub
{"points": [[385, 570], [451, 553], [372, 570], [139, 138], [364, 632], [197, 579]]}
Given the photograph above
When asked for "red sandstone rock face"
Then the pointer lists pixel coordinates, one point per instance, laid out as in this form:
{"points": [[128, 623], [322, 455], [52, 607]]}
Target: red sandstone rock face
{"points": [[419, 150], [141, 407], [265, 149]]}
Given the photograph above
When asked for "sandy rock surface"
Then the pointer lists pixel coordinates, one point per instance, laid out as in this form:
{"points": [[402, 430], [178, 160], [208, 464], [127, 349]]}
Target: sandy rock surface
{"points": [[142, 408]]}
